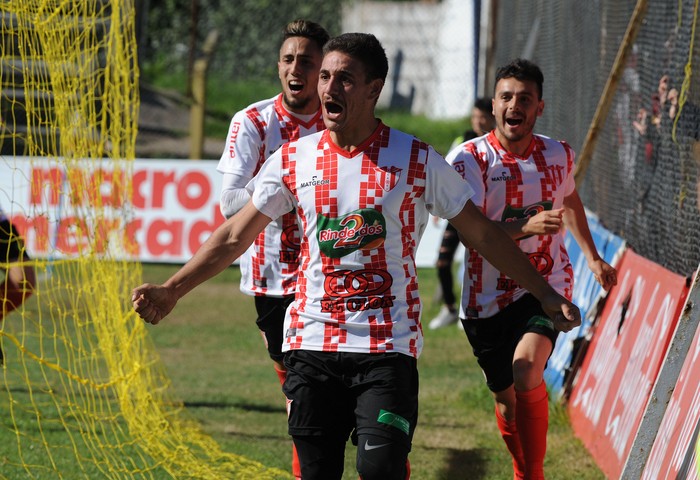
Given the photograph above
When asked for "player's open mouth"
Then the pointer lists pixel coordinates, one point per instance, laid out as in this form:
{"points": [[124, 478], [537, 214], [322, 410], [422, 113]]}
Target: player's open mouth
{"points": [[333, 108], [514, 122], [296, 86]]}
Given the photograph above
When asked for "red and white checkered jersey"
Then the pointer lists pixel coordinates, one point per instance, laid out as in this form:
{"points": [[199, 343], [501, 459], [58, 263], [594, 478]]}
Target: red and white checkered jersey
{"points": [[510, 187], [269, 267], [363, 214]]}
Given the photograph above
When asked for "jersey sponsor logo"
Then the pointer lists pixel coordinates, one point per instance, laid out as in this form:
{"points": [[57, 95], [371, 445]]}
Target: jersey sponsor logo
{"points": [[314, 182], [363, 229], [387, 177], [290, 243], [511, 213], [235, 128], [460, 168], [504, 177], [357, 290], [542, 261]]}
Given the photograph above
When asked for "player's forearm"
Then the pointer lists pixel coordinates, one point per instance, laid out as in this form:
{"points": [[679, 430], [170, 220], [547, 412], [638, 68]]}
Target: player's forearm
{"points": [[494, 244], [515, 228], [501, 251], [219, 251], [577, 224]]}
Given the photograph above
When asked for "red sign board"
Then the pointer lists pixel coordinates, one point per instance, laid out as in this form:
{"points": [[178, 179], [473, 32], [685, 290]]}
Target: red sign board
{"points": [[628, 345], [673, 455]]}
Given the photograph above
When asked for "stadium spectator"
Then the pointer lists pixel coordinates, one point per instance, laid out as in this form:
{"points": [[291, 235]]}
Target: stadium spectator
{"points": [[363, 192], [269, 266], [482, 122], [20, 277], [524, 183]]}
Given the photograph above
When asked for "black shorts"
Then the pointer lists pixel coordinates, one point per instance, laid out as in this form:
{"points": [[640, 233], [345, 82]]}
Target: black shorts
{"points": [[495, 339], [332, 393], [11, 244], [271, 312]]}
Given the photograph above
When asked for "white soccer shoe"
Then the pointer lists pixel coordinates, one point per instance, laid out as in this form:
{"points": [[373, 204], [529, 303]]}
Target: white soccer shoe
{"points": [[444, 318]]}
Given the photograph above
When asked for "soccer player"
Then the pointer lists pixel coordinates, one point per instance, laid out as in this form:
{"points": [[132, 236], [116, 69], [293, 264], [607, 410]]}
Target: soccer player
{"points": [[525, 183], [20, 277], [269, 266], [482, 122], [352, 336]]}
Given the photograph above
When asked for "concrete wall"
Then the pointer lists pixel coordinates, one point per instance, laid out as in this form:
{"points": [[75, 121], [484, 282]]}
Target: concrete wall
{"points": [[431, 52]]}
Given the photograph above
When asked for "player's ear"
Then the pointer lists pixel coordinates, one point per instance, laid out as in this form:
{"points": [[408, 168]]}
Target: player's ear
{"points": [[375, 89], [540, 108]]}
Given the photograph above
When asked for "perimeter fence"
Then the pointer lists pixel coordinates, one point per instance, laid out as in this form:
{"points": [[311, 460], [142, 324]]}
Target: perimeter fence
{"points": [[642, 178]]}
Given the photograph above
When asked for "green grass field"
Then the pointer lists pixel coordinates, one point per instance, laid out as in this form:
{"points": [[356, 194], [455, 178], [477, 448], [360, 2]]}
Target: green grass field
{"points": [[219, 368]]}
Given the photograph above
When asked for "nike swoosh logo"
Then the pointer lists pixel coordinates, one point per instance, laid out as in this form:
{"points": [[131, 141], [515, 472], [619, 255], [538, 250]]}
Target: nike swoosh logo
{"points": [[372, 447]]}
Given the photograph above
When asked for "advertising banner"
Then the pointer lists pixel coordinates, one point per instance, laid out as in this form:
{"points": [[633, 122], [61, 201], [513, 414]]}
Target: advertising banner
{"points": [[628, 345], [586, 294], [171, 209]]}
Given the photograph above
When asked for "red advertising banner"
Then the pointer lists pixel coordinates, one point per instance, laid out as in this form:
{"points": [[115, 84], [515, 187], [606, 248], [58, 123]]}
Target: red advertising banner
{"points": [[629, 343], [170, 210], [673, 455]]}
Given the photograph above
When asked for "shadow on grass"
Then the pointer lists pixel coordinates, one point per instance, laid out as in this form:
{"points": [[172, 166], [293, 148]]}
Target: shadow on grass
{"points": [[469, 464], [249, 407]]}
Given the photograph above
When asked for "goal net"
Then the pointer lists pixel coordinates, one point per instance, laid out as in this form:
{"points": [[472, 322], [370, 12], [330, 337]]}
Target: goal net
{"points": [[83, 394]]}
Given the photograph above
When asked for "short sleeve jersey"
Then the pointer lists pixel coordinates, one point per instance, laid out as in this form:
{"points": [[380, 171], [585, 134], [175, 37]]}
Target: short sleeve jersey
{"points": [[362, 215], [269, 267], [509, 187]]}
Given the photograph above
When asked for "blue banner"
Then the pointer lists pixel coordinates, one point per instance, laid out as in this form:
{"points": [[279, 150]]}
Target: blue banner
{"points": [[587, 293]]}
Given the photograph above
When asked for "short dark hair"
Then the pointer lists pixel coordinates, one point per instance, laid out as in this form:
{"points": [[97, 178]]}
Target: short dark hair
{"points": [[364, 47], [523, 70], [483, 104], [304, 28]]}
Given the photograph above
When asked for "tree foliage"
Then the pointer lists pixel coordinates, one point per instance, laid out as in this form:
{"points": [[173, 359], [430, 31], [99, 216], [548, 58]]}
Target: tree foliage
{"points": [[249, 32]]}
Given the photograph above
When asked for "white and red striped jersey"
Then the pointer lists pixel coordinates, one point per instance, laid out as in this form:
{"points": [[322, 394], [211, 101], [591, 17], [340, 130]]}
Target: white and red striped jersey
{"points": [[362, 214], [510, 187], [269, 267]]}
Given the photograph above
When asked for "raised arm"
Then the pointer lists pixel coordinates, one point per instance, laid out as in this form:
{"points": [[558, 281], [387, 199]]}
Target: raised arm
{"points": [[500, 250], [227, 243]]}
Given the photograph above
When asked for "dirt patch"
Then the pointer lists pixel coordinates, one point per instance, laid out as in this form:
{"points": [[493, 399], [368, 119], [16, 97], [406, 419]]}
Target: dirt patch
{"points": [[164, 122]]}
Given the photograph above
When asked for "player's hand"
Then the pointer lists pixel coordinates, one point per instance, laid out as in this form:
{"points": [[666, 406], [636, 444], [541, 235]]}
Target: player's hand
{"points": [[565, 315], [605, 274], [547, 222], [152, 302]]}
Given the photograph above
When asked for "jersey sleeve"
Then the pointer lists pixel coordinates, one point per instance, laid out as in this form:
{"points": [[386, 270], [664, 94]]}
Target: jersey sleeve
{"points": [[268, 192], [241, 154], [446, 192]]}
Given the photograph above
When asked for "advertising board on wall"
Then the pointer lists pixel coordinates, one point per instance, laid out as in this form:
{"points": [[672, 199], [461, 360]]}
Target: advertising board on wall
{"points": [[170, 210]]}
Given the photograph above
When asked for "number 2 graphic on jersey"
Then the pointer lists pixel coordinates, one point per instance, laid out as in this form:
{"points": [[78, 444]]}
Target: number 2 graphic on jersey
{"points": [[352, 223], [360, 229]]}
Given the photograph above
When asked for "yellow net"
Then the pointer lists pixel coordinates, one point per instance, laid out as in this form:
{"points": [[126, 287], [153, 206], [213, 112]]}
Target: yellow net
{"points": [[84, 394]]}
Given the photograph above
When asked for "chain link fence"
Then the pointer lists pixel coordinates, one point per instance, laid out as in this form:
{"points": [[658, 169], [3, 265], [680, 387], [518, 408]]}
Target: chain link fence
{"points": [[642, 180], [642, 177]]}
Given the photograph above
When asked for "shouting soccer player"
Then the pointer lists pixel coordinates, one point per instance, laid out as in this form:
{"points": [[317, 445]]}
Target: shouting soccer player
{"points": [[363, 192]]}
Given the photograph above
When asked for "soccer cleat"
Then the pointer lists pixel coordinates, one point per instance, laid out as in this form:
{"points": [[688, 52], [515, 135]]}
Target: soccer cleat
{"points": [[444, 318]]}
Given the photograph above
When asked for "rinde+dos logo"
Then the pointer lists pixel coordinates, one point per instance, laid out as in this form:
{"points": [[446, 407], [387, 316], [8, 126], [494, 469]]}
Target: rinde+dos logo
{"points": [[363, 229]]}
